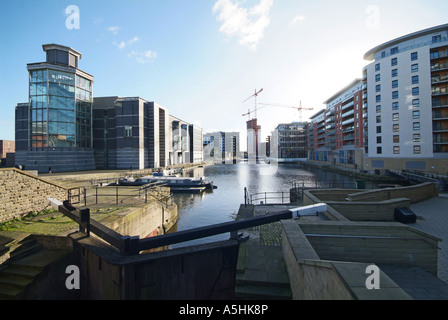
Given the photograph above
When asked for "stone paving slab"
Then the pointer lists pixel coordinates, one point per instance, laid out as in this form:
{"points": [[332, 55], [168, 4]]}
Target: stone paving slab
{"points": [[432, 218]]}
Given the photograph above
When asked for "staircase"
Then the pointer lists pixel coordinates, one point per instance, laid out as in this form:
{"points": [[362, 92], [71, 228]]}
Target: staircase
{"points": [[25, 266], [261, 273]]}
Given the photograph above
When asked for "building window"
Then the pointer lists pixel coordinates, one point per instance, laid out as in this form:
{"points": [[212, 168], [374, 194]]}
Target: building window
{"points": [[379, 150], [383, 55], [415, 91], [377, 77], [414, 68], [396, 139], [127, 131], [378, 98], [415, 80], [378, 88], [378, 108], [395, 117], [417, 149], [395, 106], [396, 150], [395, 95], [378, 119], [377, 67], [437, 38], [416, 137], [416, 103], [396, 127], [394, 50], [394, 62], [414, 56], [416, 126], [378, 129], [416, 114], [395, 84], [394, 73], [379, 140]]}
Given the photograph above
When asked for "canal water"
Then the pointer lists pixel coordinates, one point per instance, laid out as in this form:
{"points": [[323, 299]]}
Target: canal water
{"points": [[222, 204]]}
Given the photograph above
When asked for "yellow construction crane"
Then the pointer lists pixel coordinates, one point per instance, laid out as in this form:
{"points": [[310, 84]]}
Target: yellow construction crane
{"points": [[254, 95], [300, 108]]}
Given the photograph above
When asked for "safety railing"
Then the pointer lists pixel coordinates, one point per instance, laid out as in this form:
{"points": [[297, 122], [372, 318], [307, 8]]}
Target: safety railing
{"points": [[132, 245]]}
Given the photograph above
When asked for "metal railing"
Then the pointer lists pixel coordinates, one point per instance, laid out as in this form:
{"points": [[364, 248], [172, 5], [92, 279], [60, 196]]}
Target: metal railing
{"points": [[128, 245], [119, 194]]}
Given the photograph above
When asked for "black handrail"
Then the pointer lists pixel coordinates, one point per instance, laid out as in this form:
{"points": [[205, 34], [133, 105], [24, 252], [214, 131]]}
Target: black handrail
{"points": [[128, 245]]}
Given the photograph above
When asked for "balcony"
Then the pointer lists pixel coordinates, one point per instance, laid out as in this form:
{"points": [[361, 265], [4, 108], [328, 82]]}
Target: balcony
{"points": [[439, 54], [440, 127], [437, 91], [348, 105], [439, 66], [347, 114], [349, 121], [349, 129], [439, 79], [349, 137]]}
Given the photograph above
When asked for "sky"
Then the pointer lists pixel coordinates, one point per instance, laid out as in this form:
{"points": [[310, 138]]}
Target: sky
{"points": [[204, 59]]}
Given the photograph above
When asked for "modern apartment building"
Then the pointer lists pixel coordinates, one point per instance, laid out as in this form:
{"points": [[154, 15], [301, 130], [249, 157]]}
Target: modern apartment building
{"points": [[53, 129], [406, 99], [344, 125], [289, 143], [221, 147]]}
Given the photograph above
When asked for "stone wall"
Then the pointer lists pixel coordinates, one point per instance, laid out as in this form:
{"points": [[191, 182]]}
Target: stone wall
{"points": [[22, 193]]}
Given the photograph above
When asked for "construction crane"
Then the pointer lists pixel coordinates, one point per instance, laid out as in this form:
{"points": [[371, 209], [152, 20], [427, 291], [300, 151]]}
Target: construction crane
{"points": [[300, 108], [254, 95]]}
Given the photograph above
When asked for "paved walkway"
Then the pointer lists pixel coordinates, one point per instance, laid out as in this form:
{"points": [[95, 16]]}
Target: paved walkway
{"points": [[432, 218]]}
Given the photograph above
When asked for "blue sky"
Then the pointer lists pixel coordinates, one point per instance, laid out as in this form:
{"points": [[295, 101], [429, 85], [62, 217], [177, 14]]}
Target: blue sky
{"points": [[202, 58]]}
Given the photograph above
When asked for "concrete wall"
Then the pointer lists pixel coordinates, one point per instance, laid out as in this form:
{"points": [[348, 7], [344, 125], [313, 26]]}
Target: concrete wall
{"points": [[375, 205], [152, 218], [312, 278], [22, 193], [373, 242], [415, 193], [369, 211]]}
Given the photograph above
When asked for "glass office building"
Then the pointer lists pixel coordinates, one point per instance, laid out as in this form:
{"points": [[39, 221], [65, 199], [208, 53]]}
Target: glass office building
{"points": [[59, 114]]}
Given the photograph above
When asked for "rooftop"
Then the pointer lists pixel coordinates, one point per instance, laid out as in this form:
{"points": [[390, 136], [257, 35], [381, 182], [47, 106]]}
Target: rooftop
{"points": [[370, 54]]}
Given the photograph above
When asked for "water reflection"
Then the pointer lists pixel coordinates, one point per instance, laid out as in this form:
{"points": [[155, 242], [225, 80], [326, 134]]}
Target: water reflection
{"points": [[222, 204]]}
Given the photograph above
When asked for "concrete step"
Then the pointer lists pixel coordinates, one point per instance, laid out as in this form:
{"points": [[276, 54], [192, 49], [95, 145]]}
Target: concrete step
{"points": [[8, 293], [21, 273], [25, 247]]}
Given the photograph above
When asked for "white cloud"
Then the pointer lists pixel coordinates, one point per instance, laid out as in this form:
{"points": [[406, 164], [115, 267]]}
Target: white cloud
{"points": [[123, 44], [247, 25], [143, 57], [114, 29], [297, 19]]}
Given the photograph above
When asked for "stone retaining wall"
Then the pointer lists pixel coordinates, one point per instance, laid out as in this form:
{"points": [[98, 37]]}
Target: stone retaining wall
{"points": [[22, 193]]}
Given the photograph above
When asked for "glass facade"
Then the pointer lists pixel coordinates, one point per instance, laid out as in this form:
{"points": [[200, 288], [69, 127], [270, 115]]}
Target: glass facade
{"points": [[60, 109]]}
